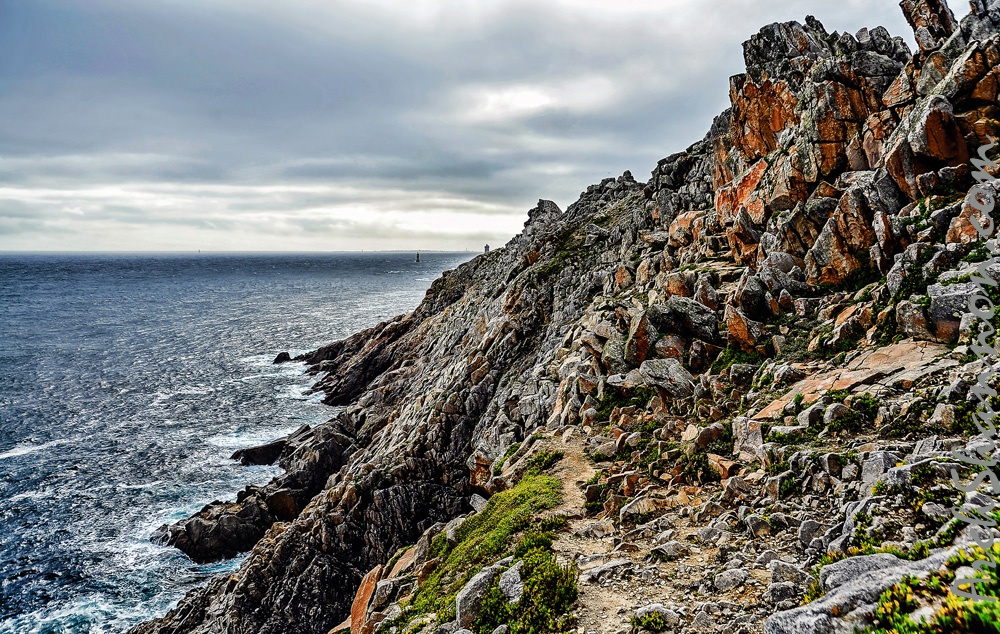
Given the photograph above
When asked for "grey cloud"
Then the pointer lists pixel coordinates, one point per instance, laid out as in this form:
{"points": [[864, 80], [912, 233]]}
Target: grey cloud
{"points": [[204, 103]]}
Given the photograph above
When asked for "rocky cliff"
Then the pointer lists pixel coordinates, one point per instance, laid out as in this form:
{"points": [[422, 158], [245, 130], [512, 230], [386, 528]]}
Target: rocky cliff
{"points": [[746, 373]]}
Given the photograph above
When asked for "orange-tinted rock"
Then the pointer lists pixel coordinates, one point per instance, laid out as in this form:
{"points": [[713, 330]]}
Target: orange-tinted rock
{"points": [[729, 200], [743, 331], [671, 346], [760, 112], [427, 568], [362, 597], [843, 245], [961, 229], [677, 284], [912, 320], [723, 466], [898, 365], [643, 272], [876, 132], [900, 92], [404, 563], [927, 139], [931, 20], [623, 279], [480, 473], [641, 339]]}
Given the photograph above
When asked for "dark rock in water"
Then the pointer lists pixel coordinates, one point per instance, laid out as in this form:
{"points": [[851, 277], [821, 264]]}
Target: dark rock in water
{"points": [[225, 529], [283, 504], [283, 357], [269, 453], [261, 454]]}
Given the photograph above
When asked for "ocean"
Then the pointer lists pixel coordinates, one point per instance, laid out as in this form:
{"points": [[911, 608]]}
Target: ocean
{"points": [[127, 381]]}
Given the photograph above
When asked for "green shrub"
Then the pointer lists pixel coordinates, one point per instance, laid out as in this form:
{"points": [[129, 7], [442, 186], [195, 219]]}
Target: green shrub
{"points": [[838, 396], [532, 541], [654, 622], [544, 460], [955, 615], [507, 454], [866, 405], [482, 539], [549, 590], [611, 399], [733, 355], [554, 523]]}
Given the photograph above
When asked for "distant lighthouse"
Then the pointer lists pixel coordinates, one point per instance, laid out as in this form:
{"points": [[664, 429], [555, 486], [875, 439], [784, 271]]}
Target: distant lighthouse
{"points": [[486, 249], [418, 256]]}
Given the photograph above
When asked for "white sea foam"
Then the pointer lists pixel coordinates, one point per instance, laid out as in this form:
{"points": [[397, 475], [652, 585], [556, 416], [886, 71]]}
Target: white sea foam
{"points": [[23, 450]]}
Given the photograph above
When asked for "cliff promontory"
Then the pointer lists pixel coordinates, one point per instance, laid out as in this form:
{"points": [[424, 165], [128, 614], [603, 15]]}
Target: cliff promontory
{"points": [[725, 399]]}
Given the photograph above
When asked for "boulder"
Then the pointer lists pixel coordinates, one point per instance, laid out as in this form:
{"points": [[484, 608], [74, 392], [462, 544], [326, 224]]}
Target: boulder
{"points": [[511, 584], [641, 340], [669, 376], [948, 304], [671, 347], [743, 331], [730, 579], [685, 316], [359, 609], [469, 599], [752, 297], [929, 138], [782, 572], [931, 20], [842, 247]]}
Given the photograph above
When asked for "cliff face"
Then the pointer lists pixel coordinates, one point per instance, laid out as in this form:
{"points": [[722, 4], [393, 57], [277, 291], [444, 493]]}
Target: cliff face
{"points": [[820, 227]]}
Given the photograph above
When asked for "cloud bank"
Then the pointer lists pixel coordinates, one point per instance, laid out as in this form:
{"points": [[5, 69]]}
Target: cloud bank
{"points": [[334, 125]]}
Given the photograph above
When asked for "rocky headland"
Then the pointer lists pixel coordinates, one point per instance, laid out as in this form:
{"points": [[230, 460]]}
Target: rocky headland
{"points": [[722, 400]]}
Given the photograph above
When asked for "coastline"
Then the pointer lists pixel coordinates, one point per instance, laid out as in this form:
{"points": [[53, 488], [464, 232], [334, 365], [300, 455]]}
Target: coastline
{"points": [[759, 359]]}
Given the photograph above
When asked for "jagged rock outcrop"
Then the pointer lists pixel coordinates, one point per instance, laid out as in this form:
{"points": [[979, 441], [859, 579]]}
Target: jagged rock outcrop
{"points": [[723, 305]]}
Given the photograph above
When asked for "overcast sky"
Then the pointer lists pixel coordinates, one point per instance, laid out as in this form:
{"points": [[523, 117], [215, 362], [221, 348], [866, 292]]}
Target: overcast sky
{"points": [[333, 125]]}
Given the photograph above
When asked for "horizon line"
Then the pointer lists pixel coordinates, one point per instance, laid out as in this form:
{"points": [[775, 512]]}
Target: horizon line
{"points": [[221, 252]]}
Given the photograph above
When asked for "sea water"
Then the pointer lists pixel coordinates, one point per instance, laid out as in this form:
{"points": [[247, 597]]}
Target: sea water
{"points": [[127, 381]]}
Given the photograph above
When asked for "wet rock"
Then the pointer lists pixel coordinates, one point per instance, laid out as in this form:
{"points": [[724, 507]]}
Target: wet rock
{"points": [[269, 453]]}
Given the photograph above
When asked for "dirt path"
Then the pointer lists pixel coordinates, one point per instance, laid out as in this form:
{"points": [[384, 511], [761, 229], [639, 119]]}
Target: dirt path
{"points": [[617, 575]]}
